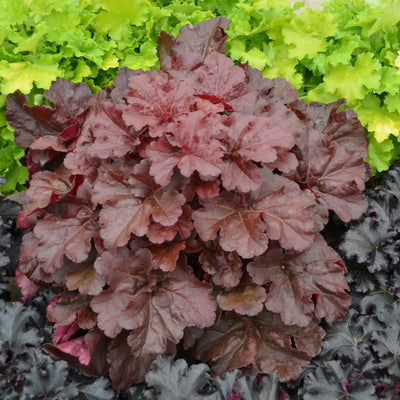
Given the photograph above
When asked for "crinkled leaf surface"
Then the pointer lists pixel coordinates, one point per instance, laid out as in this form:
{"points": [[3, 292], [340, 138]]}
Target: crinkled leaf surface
{"points": [[43, 250], [155, 314], [46, 187], [224, 267], [252, 139], [195, 42], [176, 381], [303, 286], [245, 223], [335, 381], [191, 147], [69, 99], [219, 80], [129, 197], [263, 342]]}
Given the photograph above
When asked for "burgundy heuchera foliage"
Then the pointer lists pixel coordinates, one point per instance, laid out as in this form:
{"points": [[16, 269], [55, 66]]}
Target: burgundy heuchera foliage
{"points": [[181, 209]]}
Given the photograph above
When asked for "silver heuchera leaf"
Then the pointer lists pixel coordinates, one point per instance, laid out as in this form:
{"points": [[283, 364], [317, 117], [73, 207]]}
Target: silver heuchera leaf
{"points": [[48, 378], [248, 388], [175, 381], [333, 381]]}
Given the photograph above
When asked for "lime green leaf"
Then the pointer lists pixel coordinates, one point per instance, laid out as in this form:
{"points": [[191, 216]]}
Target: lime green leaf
{"points": [[390, 81], [15, 177], [146, 59], [353, 81], [256, 58], [110, 60], [115, 15], [322, 95], [282, 65], [23, 75], [307, 32], [81, 71], [392, 103], [380, 154], [378, 119]]}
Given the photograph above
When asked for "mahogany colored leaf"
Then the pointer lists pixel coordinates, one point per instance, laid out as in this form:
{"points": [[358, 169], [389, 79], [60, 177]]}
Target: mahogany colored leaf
{"points": [[64, 310], [227, 345], [252, 138], [263, 342], [156, 100], [335, 174], [303, 286], [111, 136], [220, 81], [46, 187], [224, 267], [120, 88], [165, 256], [191, 147], [70, 100], [194, 43], [246, 299], [181, 230], [125, 368], [343, 127], [271, 90], [156, 307], [240, 229], [276, 211], [130, 197], [128, 276], [43, 249]]}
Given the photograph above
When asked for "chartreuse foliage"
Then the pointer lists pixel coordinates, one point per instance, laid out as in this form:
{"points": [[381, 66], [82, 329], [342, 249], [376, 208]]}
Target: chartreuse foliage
{"points": [[181, 209], [348, 50]]}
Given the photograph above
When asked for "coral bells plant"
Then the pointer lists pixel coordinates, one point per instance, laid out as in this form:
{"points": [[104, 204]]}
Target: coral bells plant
{"points": [[181, 210]]}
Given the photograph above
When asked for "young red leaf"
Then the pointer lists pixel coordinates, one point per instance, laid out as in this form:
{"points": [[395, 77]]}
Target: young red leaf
{"points": [[303, 286], [65, 340], [27, 287]]}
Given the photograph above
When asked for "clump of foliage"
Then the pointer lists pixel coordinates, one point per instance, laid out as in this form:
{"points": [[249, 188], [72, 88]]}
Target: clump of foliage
{"points": [[348, 50], [180, 210]]}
